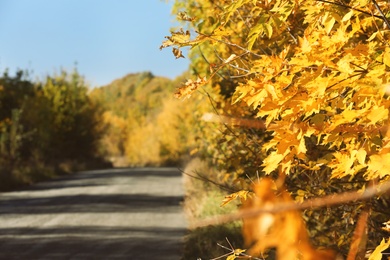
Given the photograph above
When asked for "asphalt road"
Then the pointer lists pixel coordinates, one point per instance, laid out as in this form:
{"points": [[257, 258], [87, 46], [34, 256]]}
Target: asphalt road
{"points": [[106, 214]]}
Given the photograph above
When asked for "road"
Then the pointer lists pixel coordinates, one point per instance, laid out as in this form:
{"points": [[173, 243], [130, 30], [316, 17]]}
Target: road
{"points": [[105, 214]]}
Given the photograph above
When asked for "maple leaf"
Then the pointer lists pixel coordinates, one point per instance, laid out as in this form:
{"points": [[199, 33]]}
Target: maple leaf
{"points": [[361, 156], [344, 163], [242, 194], [379, 165], [189, 87], [386, 57], [378, 114], [305, 45], [181, 38], [272, 162], [377, 254], [328, 22], [178, 53], [184, 17]]}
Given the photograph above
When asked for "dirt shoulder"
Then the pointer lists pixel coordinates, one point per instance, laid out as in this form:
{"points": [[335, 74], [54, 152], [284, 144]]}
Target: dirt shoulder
{"points": [[105, 214]]}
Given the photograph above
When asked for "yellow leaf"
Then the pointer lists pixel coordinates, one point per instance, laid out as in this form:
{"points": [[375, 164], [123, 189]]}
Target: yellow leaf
{"points": [[231, 257], [184, 17], [361, 156], [347, 17], [350, 115], [386, 57], [377, 254], [342, 164], [305, 45], [239, 251], [328, 22], [189, 87], [272, 162], [344, 64], [243, 194], [271, 89], [378, 114], [302, 146], [268, 30], [372, 37], [300, 196], [363, 3], [379, 164], [346, 117]]}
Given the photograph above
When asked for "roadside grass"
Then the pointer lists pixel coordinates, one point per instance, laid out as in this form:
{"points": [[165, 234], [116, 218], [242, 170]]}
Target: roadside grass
{"points": [[21, 174], [203, 200]]}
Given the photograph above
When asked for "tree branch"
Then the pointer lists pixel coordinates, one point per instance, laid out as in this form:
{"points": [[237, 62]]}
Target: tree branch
{"points": [[350, 7], [326, 201], [382, 14]]}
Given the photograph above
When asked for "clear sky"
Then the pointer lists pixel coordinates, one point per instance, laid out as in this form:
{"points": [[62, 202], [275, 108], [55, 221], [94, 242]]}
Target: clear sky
{"points": [[106, 38]]}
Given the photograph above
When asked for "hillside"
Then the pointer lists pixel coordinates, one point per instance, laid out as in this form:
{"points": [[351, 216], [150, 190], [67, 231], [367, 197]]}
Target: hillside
{"points": [[143, 123], [135, 90]]}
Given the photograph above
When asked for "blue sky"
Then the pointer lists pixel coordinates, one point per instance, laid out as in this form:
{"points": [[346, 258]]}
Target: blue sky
{"points": [[106, 38]]}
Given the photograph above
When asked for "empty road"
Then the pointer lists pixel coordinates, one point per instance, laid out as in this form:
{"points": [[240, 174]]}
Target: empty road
{"points": [[105, 214]]}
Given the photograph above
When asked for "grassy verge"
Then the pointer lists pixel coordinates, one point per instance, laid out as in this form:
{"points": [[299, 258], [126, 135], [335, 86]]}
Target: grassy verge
{"points": [[20, 174], [203, 200]]}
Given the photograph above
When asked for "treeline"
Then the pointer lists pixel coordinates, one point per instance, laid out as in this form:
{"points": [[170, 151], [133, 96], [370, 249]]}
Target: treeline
{"points": [[59, 125], [300, 89], [47, 127], [146, 126]]}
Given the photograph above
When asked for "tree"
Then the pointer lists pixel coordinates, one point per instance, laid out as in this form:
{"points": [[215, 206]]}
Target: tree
{"points": [[43, 125], [316, 73], [75, 120]]}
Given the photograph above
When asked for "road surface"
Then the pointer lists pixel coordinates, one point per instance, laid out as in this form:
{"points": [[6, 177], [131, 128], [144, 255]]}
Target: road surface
{"points": [[105, 214]]}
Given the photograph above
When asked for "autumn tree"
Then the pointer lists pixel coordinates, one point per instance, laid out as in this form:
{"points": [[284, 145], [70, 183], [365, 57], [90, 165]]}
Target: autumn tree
{"points": [[75, 118], [13, 95], [145, 124], [316, 73], [44, 125]]}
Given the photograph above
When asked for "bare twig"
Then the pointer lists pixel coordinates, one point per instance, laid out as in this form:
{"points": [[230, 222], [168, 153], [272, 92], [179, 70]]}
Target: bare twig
{"points": [[326, 201], [230, 44], [350, 7], [205, 179], [250, 123], [232, 251], [359, 239], [383, 16]]}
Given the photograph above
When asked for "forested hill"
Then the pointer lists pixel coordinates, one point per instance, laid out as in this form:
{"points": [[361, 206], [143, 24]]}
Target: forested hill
{"points": [[144, 124], [47, 126], [59, 125], [143, 91]]}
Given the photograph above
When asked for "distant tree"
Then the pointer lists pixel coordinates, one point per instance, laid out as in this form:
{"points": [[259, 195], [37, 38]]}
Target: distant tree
{"points": [[15, 93], [75, 119], [44, 124]]}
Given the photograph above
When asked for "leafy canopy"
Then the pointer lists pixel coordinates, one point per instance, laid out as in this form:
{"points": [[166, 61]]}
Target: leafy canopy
{"points": [[316, 72]]}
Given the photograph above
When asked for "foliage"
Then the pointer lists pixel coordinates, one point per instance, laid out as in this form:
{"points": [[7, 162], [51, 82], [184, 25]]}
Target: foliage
{"points": [[377, 254], [45, 127], [145, 125], [203, 242], [74, 120], [316, 73]]}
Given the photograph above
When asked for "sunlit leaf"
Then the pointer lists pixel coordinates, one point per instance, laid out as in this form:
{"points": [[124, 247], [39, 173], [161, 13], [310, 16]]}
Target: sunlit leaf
{"points": [[272, 162], [377, 254], [379, 164], [378, 114], [242, 194], [189, 87]]}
